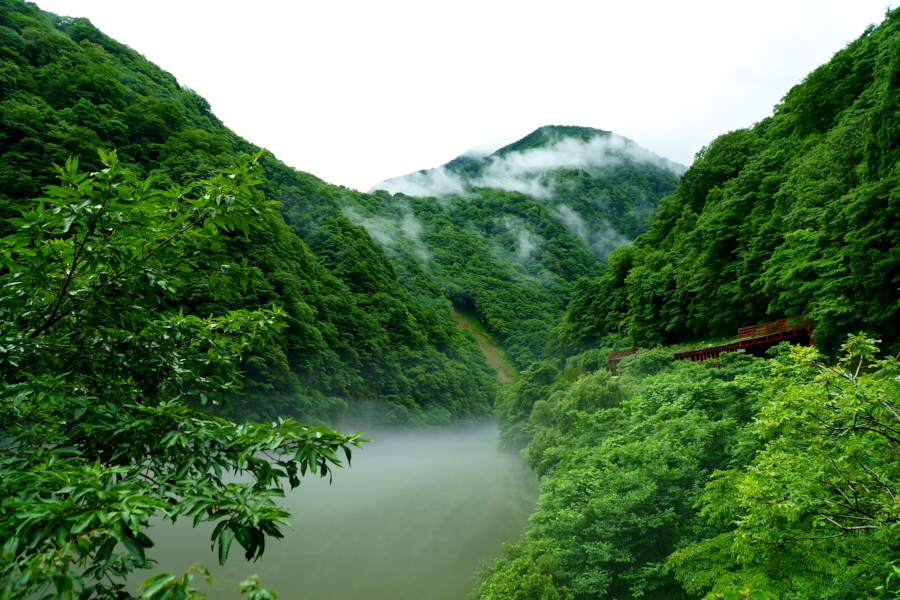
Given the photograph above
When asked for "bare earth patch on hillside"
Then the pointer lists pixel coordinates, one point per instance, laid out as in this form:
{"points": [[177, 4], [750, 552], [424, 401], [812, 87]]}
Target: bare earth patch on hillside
{"points": [[491, 352]]}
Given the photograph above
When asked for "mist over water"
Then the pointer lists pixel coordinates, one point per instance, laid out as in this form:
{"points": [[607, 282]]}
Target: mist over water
{"points": [[411, 520]]}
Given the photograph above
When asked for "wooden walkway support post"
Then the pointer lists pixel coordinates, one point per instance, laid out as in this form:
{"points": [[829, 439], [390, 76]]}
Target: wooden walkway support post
{"points": [[616, 358]]}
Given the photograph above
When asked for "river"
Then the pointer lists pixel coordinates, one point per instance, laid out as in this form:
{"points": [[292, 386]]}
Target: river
{"points": [[411, 520]]}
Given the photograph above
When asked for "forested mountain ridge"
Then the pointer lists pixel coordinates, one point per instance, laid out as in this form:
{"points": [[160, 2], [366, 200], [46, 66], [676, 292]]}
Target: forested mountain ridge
{"points": [[356, 336], [793, 215], [602, 186], [496, 255], [506, 236], [744, 476]]}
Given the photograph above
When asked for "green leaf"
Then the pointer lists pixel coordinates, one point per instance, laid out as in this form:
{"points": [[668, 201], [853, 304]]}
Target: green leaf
{"points": [[225, 539], [83, 522], [203, 571], [105, 550], [135, 549], [143, 540], [10, 546], [155, 583], [219, 527]]}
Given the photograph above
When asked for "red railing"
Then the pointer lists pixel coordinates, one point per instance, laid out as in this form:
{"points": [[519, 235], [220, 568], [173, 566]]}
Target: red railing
{"points": [[773, 331], [751, 335]]}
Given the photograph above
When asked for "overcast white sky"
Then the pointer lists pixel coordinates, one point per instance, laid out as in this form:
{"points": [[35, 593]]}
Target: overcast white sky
{"points": [[356, 92]]}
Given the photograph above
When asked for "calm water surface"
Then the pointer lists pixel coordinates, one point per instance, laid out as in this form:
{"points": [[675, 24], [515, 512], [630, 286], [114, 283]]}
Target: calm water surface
{"points": [[411, 520]]}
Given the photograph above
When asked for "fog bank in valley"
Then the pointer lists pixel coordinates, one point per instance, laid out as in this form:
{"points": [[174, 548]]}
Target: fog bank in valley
{"points": [[411, 520]]}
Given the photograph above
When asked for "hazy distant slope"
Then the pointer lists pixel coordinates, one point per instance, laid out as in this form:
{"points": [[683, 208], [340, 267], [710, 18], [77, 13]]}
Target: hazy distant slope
{"points": [[356, 337], [602, 186], [496, 254]]}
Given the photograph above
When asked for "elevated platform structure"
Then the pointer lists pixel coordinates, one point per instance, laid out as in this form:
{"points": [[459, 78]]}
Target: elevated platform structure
{"points": [[752, 335], [774, 331]]}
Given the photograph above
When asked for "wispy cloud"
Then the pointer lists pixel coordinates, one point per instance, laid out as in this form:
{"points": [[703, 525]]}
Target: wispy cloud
{"points": [[526, 240], [391, 232], [527, 171], [600, 238], [435, 182]]}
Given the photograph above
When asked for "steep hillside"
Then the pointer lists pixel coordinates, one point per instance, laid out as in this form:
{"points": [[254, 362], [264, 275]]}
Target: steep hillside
{"points": [[794, 215], [357, 341], [506, 236], [762, 477]]}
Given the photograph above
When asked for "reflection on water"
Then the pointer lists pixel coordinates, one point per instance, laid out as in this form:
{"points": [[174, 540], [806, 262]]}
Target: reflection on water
{"points": [[411, 520]]}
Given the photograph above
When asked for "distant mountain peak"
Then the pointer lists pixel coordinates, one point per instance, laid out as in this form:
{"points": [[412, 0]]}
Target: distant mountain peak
{"points": [[526, 164], [548, 135]]}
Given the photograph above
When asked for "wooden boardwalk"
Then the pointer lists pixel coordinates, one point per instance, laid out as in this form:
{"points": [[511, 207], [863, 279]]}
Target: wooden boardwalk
{"points": [[752, 335]]}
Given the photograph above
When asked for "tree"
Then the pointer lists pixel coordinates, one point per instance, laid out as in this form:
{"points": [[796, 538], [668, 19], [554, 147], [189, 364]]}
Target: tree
{"points": [[815, 514], [103, 381]]}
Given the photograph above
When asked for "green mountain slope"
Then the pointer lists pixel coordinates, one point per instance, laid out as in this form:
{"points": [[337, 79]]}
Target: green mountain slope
{"points": [[760, 478], [357, 341], [506, 236], [495, 254], [794, 215]]}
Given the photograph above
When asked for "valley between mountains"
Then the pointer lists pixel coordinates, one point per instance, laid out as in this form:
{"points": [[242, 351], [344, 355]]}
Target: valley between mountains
{"points": [[191, 331]]}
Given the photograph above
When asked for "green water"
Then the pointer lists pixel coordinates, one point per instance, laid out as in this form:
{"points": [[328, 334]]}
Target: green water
{"points": [[411, 520]]}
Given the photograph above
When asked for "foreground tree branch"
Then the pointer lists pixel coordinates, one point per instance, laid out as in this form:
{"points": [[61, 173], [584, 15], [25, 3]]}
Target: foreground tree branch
{"points": [[101, 379]]}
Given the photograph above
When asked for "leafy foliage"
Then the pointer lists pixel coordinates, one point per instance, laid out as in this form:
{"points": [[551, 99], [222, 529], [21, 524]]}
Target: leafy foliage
{"points": [[624, 461], [164, 586], [100, 429], [756, 479], [818, 501]]}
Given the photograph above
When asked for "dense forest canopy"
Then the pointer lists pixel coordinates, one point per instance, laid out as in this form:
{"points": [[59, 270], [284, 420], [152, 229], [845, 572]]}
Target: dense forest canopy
{"points": [[794, 215], [767, 476], [356, 341], [764, 478]]}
